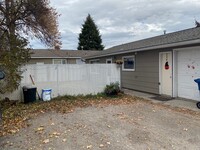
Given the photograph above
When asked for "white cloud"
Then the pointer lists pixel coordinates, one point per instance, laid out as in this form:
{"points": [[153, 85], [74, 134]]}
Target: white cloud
{"points": [[124, 21]]}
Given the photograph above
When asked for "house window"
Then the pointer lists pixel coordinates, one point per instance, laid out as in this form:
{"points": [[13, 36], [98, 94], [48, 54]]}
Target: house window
{"points": [[94, 61], [128, 63], [40, 63], [79, 61], [59, 61], [109, 61]]}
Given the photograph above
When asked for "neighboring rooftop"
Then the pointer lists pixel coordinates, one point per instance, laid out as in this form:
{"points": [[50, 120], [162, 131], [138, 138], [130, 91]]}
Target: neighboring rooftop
{"points": [[162, 41], [49, 53]]}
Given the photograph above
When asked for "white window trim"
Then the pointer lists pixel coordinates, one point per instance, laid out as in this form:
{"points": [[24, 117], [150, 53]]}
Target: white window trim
{"points": [[79, 61], [39, 63], [93, 60], [110, 59], [123, 69]]}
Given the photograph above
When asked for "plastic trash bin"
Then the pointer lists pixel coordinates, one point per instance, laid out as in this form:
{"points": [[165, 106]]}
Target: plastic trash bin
{"points": [[46, 94], [29, 94], [198, 82]]}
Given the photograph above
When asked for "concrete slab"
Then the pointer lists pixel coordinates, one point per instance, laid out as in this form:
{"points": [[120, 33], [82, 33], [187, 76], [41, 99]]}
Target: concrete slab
{"points": [[177, 102]]}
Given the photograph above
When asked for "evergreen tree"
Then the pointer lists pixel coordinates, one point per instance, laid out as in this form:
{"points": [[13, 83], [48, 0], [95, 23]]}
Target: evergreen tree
{"points": [[90, 38], [197, 24]]}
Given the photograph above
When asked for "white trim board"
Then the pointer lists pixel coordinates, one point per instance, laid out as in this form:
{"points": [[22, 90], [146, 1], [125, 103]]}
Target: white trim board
{"points": [[174, 74], [160, 89]]}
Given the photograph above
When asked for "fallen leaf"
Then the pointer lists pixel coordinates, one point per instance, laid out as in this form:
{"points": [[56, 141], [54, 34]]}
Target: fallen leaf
{"points": [[56, 133], [13, 131], [46, 141], [40, 129], [101, 145], [89, 146], [108, 143], [10, 144], [185, 129], [64, 140], [120, 113]]}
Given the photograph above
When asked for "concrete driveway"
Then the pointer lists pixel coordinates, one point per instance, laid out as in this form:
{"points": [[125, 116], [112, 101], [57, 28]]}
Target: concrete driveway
{"points": [[140, 125], [175, 102]]}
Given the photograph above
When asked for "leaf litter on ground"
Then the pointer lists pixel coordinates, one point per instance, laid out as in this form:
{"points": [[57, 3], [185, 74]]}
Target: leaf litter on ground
{"points": [[15, 115]]}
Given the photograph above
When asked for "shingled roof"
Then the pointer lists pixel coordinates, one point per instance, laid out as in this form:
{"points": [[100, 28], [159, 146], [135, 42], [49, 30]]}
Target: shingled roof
{"points": [[49, 53], [179, 38]]}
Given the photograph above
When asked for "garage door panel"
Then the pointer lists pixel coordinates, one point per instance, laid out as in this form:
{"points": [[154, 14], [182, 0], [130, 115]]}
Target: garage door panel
{"points": [[190, 67], [189, 54], [188, 64], [188, 80], [186, 93], [188, 85]]}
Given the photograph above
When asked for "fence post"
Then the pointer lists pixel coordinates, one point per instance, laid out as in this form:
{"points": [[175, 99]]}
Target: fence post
{"points": [[57, 80]]}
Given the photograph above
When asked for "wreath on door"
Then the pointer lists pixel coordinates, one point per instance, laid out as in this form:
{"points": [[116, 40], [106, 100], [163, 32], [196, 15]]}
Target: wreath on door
{"points": [[166, 64]]}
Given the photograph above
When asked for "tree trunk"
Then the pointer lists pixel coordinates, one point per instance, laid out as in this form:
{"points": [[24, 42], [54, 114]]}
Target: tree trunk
{"points": [[10, 22]]}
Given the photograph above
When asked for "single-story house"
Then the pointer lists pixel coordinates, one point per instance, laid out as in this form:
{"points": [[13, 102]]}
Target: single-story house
{"points": [[47, 56], [165, 64]]}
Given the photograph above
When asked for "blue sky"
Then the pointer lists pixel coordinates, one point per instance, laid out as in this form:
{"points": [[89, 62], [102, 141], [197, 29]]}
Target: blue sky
{"points": [[123, 21]]}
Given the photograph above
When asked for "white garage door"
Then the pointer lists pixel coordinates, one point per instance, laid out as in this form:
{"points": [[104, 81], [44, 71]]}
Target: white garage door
{"points": [[188, 70]]}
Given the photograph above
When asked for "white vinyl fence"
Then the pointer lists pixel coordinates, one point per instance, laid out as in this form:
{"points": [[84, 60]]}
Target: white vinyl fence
{"points": [[68, 79]]}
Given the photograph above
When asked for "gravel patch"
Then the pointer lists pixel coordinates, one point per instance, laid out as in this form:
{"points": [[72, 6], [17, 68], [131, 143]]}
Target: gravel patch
{"points": [[114, 127]]}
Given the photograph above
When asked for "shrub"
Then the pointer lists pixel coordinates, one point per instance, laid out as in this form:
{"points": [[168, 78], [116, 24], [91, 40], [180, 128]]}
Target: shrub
{"points": [[112, 89]]}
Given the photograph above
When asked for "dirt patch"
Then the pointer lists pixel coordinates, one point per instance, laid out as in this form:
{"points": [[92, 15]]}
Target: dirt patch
{"points": [[15, 115], [137, 125]]}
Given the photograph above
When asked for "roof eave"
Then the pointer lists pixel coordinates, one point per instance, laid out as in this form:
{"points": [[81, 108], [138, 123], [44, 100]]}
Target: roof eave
{"points": [[197, 41], [53, 57]]}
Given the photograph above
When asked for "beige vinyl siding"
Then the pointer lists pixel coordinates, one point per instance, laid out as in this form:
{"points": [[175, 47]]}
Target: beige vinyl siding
{"points": [[50, 60], [40, 60], [71, 61], [146, 74]]}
